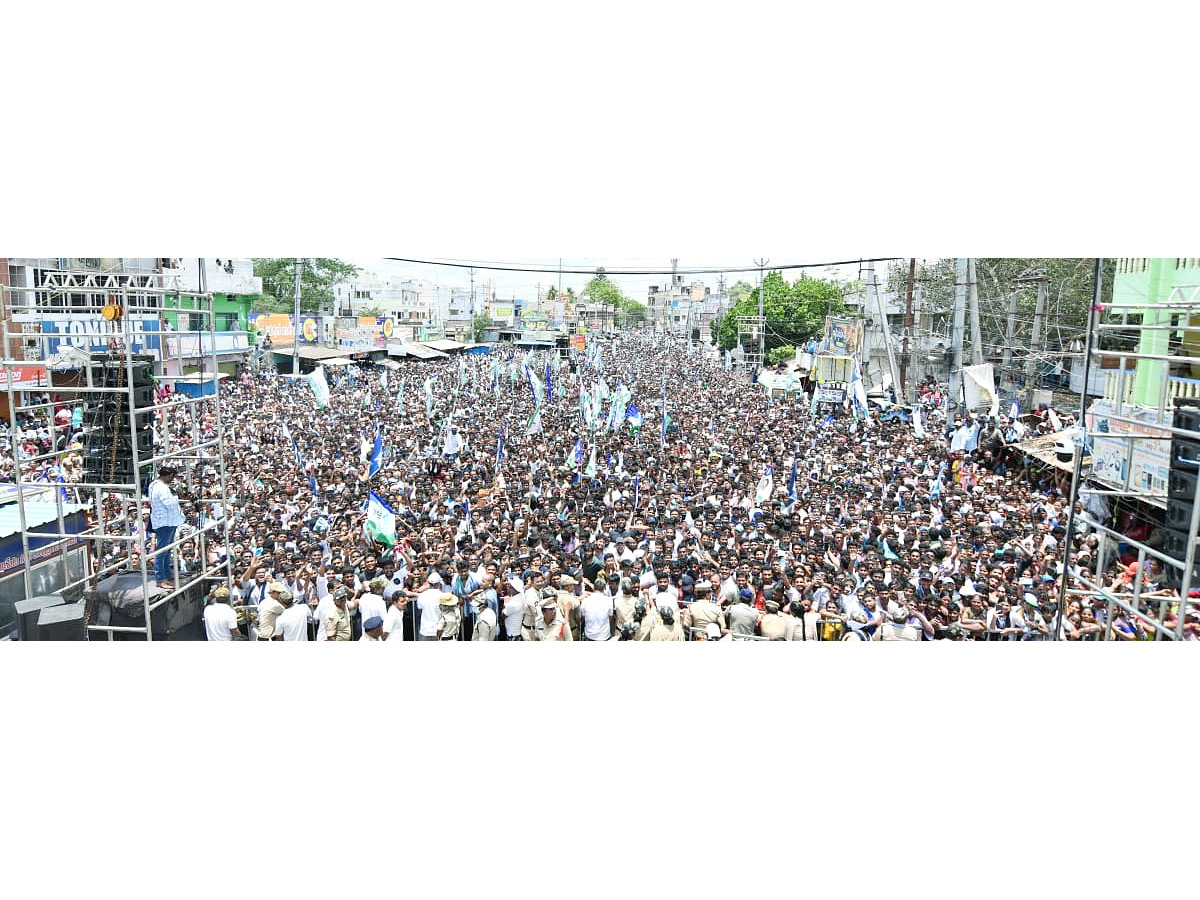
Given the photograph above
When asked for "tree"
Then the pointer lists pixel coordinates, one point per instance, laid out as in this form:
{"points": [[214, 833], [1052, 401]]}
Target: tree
{"points": [[317, 280], [369, 311], [793, 312], [479, 324], [739, 291], [1069, 292], [629, 313]]}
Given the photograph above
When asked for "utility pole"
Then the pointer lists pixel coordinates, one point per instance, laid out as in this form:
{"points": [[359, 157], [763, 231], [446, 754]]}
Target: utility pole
{"points": [[908, 326], [957, 329], [296, 308], [1006, 359], [762, 320], [973, 305], [472, 271], [1031, 363], [873, 287]]}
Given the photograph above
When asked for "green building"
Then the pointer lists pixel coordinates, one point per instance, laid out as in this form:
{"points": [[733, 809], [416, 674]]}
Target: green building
{"points": [[1162, 284]]}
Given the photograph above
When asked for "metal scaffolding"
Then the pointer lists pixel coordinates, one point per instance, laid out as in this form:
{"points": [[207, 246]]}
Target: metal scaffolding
{"points": [[749, 332], [117, 334], [1159, 424]]}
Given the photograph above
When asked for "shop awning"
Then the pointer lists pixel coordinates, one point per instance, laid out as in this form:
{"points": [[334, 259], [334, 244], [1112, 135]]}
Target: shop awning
{"points": [[445, 345], [387, 363], [337, 361], [315, 353], [417, 351], [1042, 449]]}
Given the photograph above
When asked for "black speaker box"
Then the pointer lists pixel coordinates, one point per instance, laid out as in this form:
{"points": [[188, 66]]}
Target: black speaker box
{"points": [[1181, 485], [1186, 417], [1179, 515], [110, 371], [27, 612], [1185, 454], [176, 620], [1175, 543], [103, 439], [62, 623]]}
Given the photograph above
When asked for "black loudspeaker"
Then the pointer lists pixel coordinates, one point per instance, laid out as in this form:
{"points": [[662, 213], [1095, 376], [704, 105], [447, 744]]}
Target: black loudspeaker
{"points": [[176, 620], [62, 623], [1175, 545], [28, 611], [1181, 490], [1181, 485]]}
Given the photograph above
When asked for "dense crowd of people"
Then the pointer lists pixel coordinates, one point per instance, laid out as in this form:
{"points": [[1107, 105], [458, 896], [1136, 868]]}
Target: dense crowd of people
{"points": [[740, 516]]}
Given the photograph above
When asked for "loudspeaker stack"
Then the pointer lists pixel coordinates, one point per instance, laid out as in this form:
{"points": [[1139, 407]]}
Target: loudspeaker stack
{"points": [[109, 442], [1181, 491]]}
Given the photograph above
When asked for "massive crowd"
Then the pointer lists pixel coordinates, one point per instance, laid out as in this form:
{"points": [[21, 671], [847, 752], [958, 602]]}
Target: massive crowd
{"points": [[745, 516]]}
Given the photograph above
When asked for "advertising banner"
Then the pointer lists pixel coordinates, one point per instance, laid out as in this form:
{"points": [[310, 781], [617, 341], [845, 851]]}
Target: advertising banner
{"points": [[24, 377], [278, 325], [1145, 462], [843, 337], [92, 334]]}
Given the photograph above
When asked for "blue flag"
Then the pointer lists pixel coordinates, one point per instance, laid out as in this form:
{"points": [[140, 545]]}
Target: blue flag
{"points": [[376, 453], [792, 480], [312, 484], [634, 415], [499, 446], [549, 383]]}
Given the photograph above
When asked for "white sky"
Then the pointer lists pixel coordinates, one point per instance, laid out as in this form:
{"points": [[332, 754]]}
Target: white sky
{"points": [[524, 285]]}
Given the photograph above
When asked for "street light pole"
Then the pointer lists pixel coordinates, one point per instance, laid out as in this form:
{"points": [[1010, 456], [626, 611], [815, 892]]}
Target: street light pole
{"points": [[762, 321], [296, 336]]}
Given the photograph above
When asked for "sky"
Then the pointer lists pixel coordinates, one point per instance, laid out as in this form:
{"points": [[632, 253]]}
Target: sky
{"points": [[524, 285]]}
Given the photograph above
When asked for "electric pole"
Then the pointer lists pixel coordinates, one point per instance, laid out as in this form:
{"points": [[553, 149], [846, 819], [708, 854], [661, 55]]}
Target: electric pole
{"points": [[1006, 363], [762, 320], [472, 271], [973, 305], [873, 287], [957, 329], [296, 307], [1031, 363], [908, 325]]}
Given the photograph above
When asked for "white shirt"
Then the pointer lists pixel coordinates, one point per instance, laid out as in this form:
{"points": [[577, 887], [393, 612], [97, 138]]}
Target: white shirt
{"points": [[293, 623], [323, 608], [596, 609], [667, 599], [370, 604], [164, 506], [431, 613], [393, 624], [514, 611], [219, 620]]}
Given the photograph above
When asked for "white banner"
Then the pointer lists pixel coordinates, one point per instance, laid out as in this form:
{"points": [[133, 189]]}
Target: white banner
{"points": [[979, 387]]}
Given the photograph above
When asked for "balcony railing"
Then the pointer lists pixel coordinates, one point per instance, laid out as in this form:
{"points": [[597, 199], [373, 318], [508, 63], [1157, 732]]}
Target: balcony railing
{"points": [[1177, 387]]}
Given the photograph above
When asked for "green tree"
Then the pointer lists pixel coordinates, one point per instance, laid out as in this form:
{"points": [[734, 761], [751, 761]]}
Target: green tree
{"points": [[740, 291], [369, 311], [794, 312], [478, 325], [630, 313], [1069, 293], [317, 280]]}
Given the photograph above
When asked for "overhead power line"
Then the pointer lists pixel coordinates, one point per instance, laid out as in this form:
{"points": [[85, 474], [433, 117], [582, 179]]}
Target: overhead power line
{"points": [[592, 271]]}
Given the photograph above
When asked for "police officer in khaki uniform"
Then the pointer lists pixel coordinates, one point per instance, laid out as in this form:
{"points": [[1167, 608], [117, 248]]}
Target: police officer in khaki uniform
{"points": [[773, 626], [337, 620], [668, 627], [553, 626], [451, 623], [270, 610], [701, 612]]}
